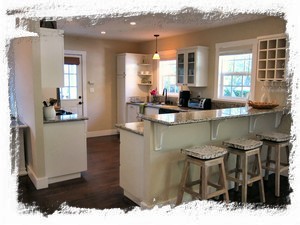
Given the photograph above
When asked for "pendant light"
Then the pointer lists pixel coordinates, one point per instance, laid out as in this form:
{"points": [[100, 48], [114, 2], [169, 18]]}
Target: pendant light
{"points": [[156, 55]]}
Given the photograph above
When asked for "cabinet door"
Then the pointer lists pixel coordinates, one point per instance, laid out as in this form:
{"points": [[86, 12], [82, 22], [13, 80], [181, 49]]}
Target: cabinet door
{"points": [[180, 68], [65, 148], [191, 68], [132, 113], [52, 57], [121, 69]]}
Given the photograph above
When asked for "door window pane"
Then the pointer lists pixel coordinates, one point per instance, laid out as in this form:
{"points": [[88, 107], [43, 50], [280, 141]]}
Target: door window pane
{"points": [[69, 91]]}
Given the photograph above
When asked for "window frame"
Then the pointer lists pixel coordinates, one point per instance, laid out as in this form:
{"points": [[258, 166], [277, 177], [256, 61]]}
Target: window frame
{"points": [[160, 82], [235, 47], [165, 56]]}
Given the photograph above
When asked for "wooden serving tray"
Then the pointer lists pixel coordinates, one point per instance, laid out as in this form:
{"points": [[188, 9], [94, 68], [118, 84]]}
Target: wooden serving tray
{"points": [[262, 105]]}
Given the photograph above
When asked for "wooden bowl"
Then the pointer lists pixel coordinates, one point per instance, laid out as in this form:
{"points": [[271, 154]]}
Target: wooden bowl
{"points": [[262, 105]]}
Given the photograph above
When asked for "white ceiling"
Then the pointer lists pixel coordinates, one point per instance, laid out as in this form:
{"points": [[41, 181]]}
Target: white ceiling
{"points": [[166, 25]]}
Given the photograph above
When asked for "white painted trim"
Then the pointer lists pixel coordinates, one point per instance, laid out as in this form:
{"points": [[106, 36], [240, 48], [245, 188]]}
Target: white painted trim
{"points": [[39, 183], [81, 54], [225, 45], [64, 177], [100, 133]]}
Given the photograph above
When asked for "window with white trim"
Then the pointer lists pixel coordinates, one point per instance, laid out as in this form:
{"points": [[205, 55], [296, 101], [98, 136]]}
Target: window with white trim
{"points": [[235, 70], [167, 76]]}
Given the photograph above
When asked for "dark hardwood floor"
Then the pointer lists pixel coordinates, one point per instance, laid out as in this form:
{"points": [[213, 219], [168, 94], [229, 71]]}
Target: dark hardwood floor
{"points": [[99, 186]]}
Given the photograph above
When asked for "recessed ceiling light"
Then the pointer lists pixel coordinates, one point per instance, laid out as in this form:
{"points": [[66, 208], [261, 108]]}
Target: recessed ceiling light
{"points": [[133, 23], [103, 32]]}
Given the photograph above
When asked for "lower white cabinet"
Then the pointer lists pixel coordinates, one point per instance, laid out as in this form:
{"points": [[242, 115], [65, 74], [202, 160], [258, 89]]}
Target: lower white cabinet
{"points": [[131, 165], [132, 113], [65, 150]]}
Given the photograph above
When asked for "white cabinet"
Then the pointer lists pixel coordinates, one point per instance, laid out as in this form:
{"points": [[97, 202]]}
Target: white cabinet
{"points": [[121, 64], [128, 68], [151, 111], [65, 150], [271, 58], [52, 57], [131, 165], [132, 113], [192, 66]]}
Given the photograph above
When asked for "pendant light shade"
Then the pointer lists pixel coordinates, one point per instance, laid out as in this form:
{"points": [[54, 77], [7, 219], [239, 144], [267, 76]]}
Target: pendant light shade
{"points": [[156, 55]]}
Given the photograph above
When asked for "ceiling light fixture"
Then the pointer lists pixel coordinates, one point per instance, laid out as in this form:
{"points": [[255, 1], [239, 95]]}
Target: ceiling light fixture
{"points": [[133, 23], [103, 32], [156, 55]]}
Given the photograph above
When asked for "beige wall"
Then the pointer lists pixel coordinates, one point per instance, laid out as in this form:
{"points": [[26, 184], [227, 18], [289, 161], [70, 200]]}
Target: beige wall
{"points": [[248, 30], [101, 63], [101, 69]]}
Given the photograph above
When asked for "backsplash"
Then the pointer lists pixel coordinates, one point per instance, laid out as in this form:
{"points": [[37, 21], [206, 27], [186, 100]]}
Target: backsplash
{"points": [[223, 105]]}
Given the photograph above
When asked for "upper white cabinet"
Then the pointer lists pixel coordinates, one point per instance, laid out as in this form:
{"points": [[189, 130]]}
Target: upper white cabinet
{"points": [[271, 58], [192, 66], [51, 43], [121, 64]]}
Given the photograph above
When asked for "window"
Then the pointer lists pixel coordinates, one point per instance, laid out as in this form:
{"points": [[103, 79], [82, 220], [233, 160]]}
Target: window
{"points": [[235, 75], [235, 66], [167, 76], [69, 91]]}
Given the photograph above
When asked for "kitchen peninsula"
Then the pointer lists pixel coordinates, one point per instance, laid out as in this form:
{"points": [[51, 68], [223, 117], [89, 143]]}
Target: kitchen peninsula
{"points": [[150, 160], [65, 147]]}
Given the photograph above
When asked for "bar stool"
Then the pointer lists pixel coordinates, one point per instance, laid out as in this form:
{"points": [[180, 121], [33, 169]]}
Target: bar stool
{"points": [[205, 157], [278, 142], [243, 149]]}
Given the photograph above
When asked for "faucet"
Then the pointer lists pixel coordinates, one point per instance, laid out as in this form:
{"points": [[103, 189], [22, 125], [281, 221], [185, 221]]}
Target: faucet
{"points": [[165, 93]]}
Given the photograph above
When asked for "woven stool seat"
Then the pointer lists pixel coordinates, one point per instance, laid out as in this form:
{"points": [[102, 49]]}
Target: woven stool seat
{"points": [[274, 136], [243, 143], [205, 151]]}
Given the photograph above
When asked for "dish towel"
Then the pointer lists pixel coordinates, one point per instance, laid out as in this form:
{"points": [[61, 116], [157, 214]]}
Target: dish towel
{"points": [[142, 108]]}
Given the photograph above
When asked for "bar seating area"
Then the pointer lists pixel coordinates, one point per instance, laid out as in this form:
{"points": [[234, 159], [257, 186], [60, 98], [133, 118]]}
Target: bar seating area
{"points": [[246, 152]]}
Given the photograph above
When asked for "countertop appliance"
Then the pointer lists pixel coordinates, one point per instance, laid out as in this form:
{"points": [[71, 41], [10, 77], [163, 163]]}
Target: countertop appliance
{"points": [[184, 97], [199, 103]]}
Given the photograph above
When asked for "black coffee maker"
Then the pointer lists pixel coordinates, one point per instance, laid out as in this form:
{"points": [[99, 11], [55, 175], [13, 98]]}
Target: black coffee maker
{"points": [[184, 97]]}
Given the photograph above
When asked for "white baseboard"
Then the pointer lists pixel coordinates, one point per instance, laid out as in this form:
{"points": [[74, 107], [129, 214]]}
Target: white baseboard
{"points": [[52, 180], [100, 133], [39, 183]]}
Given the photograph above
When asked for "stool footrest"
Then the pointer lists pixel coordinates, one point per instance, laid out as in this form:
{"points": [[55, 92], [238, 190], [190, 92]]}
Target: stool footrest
{"points": [[216, 193]]}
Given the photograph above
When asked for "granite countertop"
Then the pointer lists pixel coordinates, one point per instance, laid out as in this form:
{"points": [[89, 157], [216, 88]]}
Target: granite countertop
{"points": [[66, 118], [208, 115], [135, 127]]}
